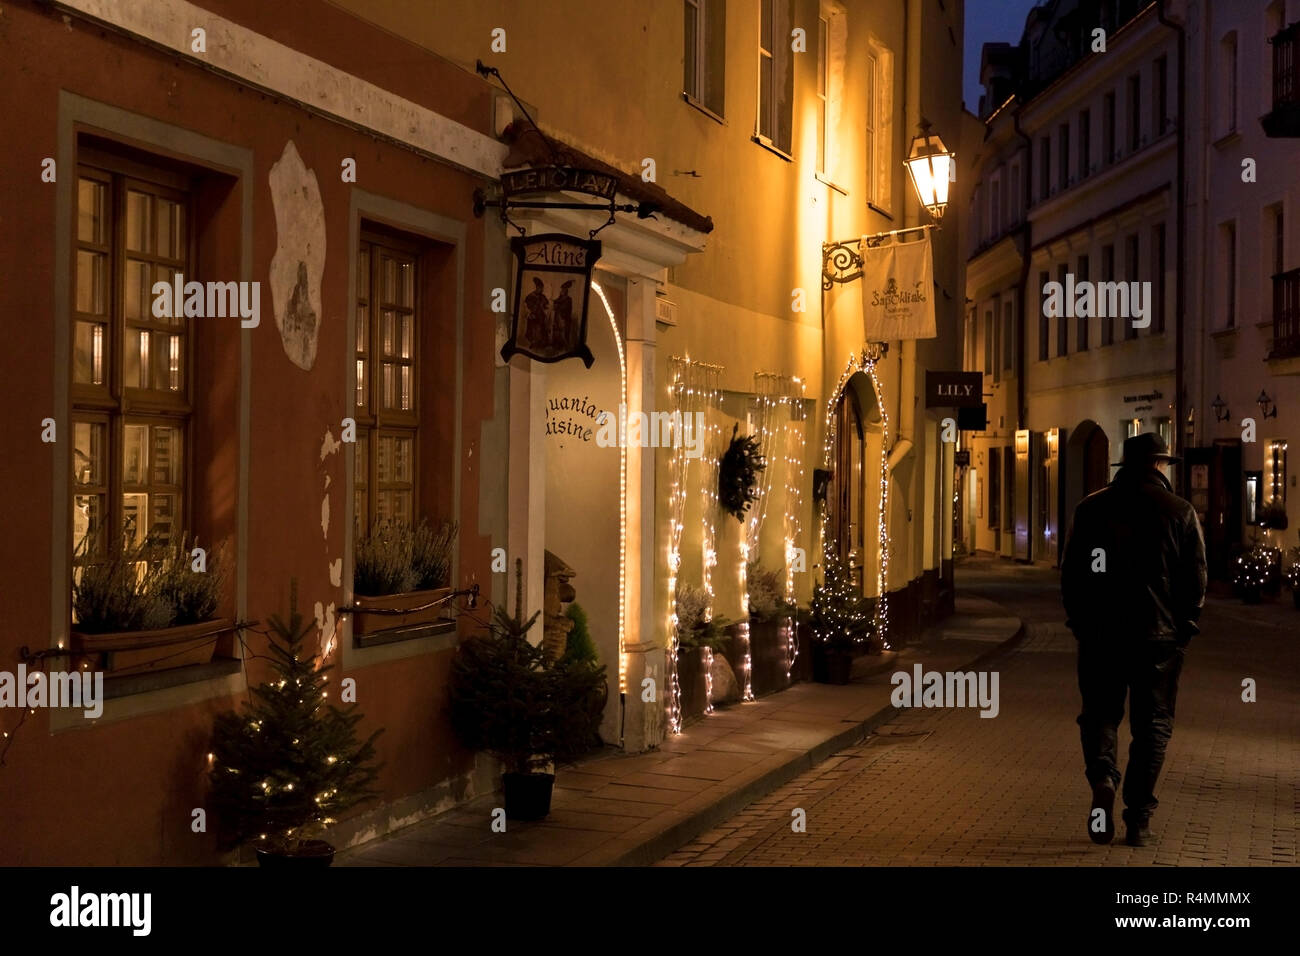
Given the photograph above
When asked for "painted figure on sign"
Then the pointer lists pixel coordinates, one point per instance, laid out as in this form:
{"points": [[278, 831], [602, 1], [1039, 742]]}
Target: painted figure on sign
{"points": [[535, 303], [562, 317]]}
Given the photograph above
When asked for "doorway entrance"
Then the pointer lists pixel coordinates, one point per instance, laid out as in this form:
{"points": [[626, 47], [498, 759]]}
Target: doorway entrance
{"points": [[1087, 466]]}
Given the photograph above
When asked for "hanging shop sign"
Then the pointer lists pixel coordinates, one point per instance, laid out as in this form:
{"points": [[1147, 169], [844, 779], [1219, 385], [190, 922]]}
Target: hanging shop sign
{"points": [[953, 389], [552, 288], [897, 290]]}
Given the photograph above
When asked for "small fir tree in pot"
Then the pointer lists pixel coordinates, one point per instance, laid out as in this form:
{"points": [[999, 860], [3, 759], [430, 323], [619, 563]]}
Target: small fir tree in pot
{"points": [[507, 697], [290, 763]]}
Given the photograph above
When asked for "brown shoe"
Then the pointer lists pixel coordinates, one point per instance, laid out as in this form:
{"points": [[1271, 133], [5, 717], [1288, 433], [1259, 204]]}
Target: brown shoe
{"points": [[1101, 830]]}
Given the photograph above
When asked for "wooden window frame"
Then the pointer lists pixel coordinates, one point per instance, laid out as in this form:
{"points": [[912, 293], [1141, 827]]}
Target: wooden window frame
{"points": [[112, 404], [374, 421]]}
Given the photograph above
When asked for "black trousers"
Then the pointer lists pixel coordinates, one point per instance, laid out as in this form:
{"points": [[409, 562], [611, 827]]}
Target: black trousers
{"points": [[1146, 672]]}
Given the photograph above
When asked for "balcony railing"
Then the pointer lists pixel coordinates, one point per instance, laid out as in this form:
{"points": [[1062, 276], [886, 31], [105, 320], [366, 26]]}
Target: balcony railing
{"points": [[1286, 315], [1286, 51], [1283, 120]]}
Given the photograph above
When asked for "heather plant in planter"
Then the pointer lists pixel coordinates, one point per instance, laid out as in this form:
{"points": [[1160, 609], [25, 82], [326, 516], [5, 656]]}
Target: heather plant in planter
{"points": [[509, 699], [291, 762], [697, 633], [401, 567], [134, 605], [770, 614], [397, 557]]}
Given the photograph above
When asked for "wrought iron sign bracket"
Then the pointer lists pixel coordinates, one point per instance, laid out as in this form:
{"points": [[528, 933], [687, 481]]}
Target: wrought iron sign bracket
{"points": [[842, 261], [643, 210]]}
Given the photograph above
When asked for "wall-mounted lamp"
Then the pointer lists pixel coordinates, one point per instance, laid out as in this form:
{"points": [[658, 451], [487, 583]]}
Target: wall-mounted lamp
{"points": [[1266, 407], [1220, 409], [931, 167]]}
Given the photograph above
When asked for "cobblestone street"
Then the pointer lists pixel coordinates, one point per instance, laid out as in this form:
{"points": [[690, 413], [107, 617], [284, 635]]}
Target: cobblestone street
{"points": [[946, 787]]}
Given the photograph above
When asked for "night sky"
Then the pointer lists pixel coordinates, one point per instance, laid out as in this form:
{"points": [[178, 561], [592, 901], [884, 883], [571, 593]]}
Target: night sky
{"points": [[988, 21]]}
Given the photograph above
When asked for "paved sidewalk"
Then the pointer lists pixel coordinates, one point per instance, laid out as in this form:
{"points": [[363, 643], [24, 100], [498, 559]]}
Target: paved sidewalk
{"points": [[946, 787], [620, 809]]}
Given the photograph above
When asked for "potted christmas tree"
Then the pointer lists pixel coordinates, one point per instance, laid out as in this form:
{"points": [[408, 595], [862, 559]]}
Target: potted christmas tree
{"points": [[509, 698], [839, 620], [290, 762]]}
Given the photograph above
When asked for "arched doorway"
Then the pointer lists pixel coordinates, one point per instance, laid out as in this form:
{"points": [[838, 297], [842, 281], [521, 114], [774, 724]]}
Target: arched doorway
{"points": [[585, 480], [1087, 465], [853, 489]]}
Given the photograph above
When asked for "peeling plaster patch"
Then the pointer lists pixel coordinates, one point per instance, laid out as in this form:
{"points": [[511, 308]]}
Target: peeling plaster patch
{"points": [[325, 625], [328, 479], [299, 260], [330, 445], [325, 517], [336, 572]]}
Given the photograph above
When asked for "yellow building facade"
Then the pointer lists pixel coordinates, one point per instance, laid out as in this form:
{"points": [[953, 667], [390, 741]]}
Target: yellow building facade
{"points": [[786, 123]]}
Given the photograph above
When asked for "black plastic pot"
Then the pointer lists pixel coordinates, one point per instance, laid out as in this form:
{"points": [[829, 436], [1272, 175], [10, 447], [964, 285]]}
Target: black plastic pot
{"points": [[692, 678], [1295, 597], [310, 854], [528, 795], [830, 665]]}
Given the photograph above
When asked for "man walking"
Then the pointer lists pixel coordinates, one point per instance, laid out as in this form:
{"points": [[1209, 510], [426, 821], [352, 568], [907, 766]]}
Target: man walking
{"points": [[1133, 585]]}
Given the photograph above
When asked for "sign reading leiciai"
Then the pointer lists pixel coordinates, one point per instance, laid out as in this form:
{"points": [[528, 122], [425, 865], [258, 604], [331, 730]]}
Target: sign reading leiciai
{"points": [[559, 178], [953, 389]]}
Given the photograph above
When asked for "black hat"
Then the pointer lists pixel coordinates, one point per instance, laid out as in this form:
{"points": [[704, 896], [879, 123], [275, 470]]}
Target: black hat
{"points": [[1145, 449]]}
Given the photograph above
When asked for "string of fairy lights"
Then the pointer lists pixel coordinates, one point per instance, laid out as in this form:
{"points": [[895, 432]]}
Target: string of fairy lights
{"points": [[795, 437], [865, 363]]}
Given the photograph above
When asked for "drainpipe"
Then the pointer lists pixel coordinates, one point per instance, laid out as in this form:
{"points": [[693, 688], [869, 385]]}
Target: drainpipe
{"points": [[1180, 404], [1026, 233]]}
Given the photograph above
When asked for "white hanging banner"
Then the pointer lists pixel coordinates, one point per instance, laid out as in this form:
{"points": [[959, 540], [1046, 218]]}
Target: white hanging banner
{"points": [[898, 291]]}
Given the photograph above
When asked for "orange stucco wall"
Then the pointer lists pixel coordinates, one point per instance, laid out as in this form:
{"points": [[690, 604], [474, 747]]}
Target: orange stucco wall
{"points": [[122, 792]]}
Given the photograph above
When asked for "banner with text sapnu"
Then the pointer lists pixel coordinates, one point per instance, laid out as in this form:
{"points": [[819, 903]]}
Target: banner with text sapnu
{"points": [[898, 291]]}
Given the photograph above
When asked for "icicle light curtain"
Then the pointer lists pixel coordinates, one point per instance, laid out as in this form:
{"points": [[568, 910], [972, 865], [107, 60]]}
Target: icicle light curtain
{"points": [[692, 387]]}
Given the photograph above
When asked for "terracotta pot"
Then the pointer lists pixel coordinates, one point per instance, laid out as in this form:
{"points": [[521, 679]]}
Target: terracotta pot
{"points": [[162, 648], [370, 623]]}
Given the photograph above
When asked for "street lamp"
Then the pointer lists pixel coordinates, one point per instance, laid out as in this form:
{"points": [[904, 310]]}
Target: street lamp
{"points": [[931, 166], [1220, 409], [1266, 406]]}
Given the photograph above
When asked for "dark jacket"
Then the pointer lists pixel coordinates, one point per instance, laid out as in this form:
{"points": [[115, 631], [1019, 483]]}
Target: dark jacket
{"points": [[1153, 585]]}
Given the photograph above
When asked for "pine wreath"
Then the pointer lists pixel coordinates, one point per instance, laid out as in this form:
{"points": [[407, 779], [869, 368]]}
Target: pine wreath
{"points": [[738, 474]]}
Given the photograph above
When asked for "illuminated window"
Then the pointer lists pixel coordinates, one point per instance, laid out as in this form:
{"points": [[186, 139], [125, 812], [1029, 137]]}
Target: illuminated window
{"points": [[388, 419], [1275, 466], [130, 369]]}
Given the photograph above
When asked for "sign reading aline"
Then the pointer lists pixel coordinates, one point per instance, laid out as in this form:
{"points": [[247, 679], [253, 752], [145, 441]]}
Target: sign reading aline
{"points": [[552, 287]]}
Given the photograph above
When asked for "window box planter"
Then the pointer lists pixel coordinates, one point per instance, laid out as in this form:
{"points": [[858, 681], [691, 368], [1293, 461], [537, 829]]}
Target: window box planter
{"points": [[413, 603], [139, 652]]}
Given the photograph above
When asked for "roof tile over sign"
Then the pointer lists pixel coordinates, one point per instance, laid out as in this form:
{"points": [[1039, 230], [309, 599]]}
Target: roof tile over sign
{"points": [[528, 147]]}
